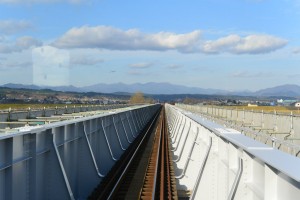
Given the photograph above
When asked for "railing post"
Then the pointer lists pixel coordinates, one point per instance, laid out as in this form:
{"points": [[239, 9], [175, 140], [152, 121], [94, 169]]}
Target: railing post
{"points": [[107, 142], [175, 149], [178, 131], [118, 134], [62, 168], [133, 135], [91, 152], [192, 197], [236, 181], [125, 130]]}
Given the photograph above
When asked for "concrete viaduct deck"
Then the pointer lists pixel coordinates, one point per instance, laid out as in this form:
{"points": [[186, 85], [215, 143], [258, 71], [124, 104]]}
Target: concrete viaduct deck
{"points": [[69, 156]]}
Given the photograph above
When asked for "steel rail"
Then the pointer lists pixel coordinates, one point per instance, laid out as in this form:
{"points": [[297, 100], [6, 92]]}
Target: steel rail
{"points": [[132, 157]]}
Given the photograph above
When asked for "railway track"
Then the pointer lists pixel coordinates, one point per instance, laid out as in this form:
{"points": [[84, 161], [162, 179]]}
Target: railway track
{"points": [[145, 170]]}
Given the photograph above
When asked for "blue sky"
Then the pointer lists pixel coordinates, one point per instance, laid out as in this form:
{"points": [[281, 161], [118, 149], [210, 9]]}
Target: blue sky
{"points": [[222, 44]]}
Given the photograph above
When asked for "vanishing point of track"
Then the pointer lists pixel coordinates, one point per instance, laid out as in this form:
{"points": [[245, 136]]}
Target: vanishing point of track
{"points": [[145, 170]]}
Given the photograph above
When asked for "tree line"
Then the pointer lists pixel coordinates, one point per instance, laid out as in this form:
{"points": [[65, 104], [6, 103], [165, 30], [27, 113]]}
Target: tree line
{"points": [[138, 98]]}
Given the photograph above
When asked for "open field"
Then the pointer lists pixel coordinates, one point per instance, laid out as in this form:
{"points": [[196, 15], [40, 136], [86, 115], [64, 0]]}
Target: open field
{"points": [[278, 109]]}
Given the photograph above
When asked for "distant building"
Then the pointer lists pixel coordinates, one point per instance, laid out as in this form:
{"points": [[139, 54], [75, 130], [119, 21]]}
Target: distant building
{"points": [[252, 105], [272, 104], [286, 102], [279, 101]]}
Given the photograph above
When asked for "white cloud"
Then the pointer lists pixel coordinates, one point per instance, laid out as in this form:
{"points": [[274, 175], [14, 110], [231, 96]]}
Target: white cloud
{"points": [[141, 65], [247, 74], [105, 37], [256, 44], [296, 51], [27, 42], [50, 66], [222, 44], [20, 44], [296, 75], [173, 67], [135, 73], [9, 27], [252, 44], [85, 60], [15, 65], [38, 1]]}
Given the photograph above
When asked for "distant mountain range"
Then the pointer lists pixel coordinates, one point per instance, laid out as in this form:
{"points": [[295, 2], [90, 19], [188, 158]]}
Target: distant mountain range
{"points": [[165, 88], [282, 90], [150, 88]]}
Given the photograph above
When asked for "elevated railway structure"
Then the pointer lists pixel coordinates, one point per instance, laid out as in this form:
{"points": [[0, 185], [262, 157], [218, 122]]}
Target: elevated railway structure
{"points": [[279, 130], [12, 118], [140, 152]]}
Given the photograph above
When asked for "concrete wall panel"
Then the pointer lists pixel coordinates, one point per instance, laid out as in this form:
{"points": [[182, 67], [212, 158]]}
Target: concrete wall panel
{"points": [[68, 159], [225, 164]]}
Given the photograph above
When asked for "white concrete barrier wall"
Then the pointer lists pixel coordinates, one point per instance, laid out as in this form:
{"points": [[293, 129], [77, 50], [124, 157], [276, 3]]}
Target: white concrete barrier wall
{"points": [[278, 130], [66, 160], [215, 162]]}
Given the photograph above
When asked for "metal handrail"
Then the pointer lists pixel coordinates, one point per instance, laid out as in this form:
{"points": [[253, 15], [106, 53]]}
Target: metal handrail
{"points": [[181, 131], [107, 142], [125, 131], [174, 124], [276, 142], [177, 127], [62, 169], [201, 170], [118, 134], [136, 120], [187, 133], [260, 134], [180, 154], [133, 121], [133, 135], [91, 152], [189, 156], [143, 117], [236, 180]]}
